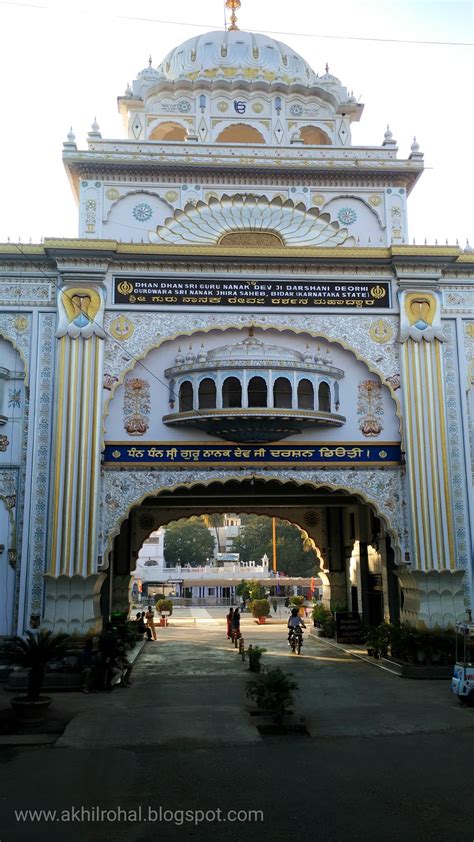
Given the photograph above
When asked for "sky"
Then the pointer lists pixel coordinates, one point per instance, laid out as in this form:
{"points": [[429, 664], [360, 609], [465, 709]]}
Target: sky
{"points": [[64, 62]]}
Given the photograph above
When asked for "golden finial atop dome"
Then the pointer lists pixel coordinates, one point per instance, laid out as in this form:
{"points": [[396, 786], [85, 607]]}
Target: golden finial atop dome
{"points": [[233, 5]]}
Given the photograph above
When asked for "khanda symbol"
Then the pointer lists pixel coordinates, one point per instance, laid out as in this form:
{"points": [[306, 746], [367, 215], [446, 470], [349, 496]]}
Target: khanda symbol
{"points": [[239, 106]]}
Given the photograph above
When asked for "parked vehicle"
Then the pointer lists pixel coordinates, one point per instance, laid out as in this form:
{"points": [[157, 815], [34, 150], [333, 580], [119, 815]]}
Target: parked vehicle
{"points": [[462, 682]]}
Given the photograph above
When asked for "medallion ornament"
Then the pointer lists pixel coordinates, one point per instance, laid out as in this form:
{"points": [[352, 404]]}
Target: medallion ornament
{"points": [[381, 332]]}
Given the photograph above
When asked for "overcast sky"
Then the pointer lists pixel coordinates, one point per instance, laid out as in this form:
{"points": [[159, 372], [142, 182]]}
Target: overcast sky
{"points": [[63, 62]]}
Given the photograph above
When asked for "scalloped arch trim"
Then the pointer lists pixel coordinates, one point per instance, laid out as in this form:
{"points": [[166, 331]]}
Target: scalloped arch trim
{"points": [[206, 223]]}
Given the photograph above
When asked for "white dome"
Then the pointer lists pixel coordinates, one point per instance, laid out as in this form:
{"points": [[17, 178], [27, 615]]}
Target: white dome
{"points": [[252, 349], [236, 55]]}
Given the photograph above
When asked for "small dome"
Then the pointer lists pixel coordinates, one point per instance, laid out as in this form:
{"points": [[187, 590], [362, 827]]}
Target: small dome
{"points": [[252, 349], [233, 54], [179, 358], [190, 355]]}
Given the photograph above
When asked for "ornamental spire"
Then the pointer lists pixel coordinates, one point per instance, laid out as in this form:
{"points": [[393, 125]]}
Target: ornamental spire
{"points": [[233, 5]]}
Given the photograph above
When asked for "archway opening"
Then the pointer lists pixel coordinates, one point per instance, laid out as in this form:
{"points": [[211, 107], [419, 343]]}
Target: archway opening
{"points": [[168, 131], [240, 133], [231, 393], [207, 394], [314, 136], [305, 394], [282, 393], [257, 392], [186, 396], [353, 546], [324, 397]]}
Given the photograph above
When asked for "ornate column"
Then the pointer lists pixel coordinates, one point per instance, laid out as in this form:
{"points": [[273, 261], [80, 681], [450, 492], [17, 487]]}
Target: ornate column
{"points": [[72, 581], [431, 587]]}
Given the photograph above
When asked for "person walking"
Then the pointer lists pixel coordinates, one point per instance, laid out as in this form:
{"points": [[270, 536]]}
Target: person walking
{"points": [[229, 623], [236, 624], [150, 621]]}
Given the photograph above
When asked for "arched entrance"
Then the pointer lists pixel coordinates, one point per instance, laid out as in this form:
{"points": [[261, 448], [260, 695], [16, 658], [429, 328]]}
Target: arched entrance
{"points": [[355, 542]]}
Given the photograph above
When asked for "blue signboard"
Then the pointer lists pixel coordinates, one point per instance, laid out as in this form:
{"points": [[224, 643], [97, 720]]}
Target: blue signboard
{"points": [[169, 454]]}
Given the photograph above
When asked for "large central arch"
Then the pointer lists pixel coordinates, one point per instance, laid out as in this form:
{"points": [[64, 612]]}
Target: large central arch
{"points": [[335, 509]]}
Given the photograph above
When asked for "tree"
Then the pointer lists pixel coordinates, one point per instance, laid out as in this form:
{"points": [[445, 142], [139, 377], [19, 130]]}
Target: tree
{"points": [[295, 555], [188, 541]]}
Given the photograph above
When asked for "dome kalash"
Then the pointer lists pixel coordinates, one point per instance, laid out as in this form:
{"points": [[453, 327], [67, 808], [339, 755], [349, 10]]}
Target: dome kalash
{"points": [[238, 87], [251, 391]]}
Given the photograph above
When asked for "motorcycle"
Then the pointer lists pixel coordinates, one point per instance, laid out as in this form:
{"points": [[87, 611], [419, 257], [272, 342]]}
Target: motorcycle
{"points": [[296, 639]]}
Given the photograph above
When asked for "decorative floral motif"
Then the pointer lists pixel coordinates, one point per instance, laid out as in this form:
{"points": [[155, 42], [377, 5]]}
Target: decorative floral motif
{"points": [[455, 444], [296, 109], [347, 216], [350, 331], [370, 407], [142, 212], [184, 106], [136, 406], [4, 442], [41, 461], [14, 397], [123, 489]]}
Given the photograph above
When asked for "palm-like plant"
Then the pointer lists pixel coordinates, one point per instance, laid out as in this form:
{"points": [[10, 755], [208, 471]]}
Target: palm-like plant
{"points": [[273, 692], [34, 653]]}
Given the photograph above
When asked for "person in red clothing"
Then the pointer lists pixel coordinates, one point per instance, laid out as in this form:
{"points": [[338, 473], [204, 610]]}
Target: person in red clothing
{"points": [[229, 623]]}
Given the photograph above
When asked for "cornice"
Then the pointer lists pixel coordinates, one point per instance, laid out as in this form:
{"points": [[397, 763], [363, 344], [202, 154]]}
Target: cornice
{"points": [[402, 260]]}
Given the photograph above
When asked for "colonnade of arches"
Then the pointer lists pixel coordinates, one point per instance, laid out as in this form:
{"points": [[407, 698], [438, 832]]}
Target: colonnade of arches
{"points": [[233, 395], [172, 131]]}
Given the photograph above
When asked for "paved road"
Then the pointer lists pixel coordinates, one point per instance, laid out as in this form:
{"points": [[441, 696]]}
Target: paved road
{"points": [[387, 758]]}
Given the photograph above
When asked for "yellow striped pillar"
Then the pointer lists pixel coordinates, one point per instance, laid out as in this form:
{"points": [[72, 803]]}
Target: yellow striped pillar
{"points": [[72, 580], [433, 545]]}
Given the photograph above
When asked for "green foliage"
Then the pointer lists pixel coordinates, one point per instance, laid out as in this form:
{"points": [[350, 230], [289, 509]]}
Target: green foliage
{"points": [[260, 607], [127, 632], [255, 655], [324, 620], [293, 556], [273, 692], [164, 605], [328, 626], [243, 590], [407, 643], [297, 601], [256, 591], [34, 653], [188, 541]]}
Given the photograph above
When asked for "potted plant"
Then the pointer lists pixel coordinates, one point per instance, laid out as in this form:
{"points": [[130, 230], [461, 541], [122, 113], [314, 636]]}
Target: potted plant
{"points": [[255, 655], [320, 614], [163, 605], [273, 692], [298, 602], [260, 609], [34, 653]]}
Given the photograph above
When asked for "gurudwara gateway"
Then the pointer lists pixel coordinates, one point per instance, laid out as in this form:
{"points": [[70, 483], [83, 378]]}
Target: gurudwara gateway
{"points": [[240, 326]]}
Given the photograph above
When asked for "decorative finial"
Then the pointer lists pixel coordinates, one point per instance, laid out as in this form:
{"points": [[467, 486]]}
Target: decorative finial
{"points": [[150, 62], [327, 68], [71, 136], [251, 331], [233, 5]]}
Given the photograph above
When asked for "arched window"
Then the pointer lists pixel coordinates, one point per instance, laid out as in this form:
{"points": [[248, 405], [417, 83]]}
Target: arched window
{"points": [[313, 136], [207, 394], [240, 133], [257, 392], [282, 393], [324, 398], [186, 396], [231, 393], [168, 131], [305, 395]]}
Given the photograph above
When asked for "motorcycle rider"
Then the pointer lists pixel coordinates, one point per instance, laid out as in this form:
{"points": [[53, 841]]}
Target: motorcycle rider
{"points": [[294, 622]]}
